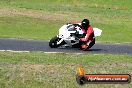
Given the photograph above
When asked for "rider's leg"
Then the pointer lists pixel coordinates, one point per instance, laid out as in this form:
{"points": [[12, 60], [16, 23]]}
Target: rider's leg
{"points": [[87, 45], [91, 44], [84, 46]]}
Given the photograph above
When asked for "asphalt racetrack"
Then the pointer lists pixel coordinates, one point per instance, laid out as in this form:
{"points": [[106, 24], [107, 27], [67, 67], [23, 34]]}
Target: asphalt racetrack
{"points": [[38, 45]]}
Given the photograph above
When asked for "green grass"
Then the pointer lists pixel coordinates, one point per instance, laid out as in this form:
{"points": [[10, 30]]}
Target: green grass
{"points": [[41, 19], [40, 70], [113, 17], [25, 27], [67, 5]]}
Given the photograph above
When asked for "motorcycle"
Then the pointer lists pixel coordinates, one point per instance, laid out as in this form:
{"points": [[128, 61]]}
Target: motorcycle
{"points": [[69, 35]]}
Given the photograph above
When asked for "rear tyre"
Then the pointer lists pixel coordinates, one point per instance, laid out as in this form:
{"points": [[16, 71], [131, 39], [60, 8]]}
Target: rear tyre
{"points": [[78, 45]]}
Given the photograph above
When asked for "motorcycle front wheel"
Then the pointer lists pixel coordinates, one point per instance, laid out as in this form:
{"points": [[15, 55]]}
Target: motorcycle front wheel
{"points": [[53, 42]]}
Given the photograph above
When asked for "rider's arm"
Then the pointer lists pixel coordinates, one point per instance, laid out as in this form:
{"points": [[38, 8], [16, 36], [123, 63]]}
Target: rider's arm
{"points": [[89, 32], [86, 38]]}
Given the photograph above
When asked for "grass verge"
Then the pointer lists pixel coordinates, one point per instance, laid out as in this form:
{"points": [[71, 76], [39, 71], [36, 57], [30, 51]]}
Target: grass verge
{"points": [[37, 19], [37, 69]]}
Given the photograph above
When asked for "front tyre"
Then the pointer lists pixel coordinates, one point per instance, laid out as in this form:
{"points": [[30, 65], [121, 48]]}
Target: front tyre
{"points": [[53, 42]]}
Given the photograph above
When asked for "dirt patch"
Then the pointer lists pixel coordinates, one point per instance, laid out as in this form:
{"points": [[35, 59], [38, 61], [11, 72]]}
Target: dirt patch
{"points": [[39, 66], [37, 14], [49, 67]]}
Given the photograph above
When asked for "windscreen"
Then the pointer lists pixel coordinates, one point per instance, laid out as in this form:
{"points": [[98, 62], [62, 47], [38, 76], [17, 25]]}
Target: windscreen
{"points": [[71, 27]]}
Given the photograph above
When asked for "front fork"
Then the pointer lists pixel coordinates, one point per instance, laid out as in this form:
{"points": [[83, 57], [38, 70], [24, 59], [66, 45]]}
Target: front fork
{"points": [[60, 41]]}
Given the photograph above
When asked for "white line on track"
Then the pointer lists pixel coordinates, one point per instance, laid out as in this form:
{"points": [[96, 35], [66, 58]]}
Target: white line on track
{"points": [[62, 53], [14, 51], [44, 52]]}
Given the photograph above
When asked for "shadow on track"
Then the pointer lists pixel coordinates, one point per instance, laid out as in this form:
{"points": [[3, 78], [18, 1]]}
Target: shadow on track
{"points": [[77, 50], [95, 50]]}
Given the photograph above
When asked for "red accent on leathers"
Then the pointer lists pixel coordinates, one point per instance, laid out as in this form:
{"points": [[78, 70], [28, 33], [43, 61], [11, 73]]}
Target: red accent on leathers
{"points": [[84, 46], [88, 34]]}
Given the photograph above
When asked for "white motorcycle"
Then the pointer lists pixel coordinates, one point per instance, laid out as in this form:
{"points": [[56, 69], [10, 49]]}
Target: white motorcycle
{"points": [[69, 35]]}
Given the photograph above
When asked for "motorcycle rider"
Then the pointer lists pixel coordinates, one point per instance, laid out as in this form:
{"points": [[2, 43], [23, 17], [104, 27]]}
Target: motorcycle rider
{"points": [[88, 39]]}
